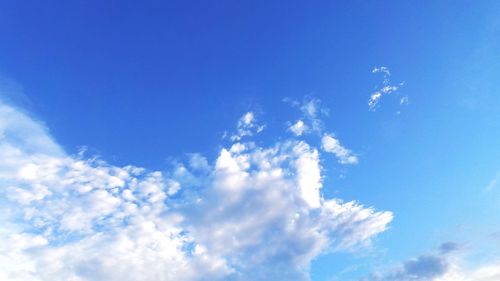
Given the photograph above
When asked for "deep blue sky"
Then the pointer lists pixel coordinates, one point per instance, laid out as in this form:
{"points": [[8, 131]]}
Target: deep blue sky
{"points": [[116, 68], [145, 83]]}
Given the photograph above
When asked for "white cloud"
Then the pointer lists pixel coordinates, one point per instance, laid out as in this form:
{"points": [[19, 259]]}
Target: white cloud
{"points": [[310, 108], [332, 145], [374, 99], [198, 162], [404, 100], [264, 208], [310, 121], [382, 69], [299, 128], [256, 213], [247, 126], [385, 89], [490, 272]]}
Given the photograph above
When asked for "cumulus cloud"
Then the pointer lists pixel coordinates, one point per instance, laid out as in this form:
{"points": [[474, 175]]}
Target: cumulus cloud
{"points": [[265, 213], [254, 213], [385, 89], [299, 127]]}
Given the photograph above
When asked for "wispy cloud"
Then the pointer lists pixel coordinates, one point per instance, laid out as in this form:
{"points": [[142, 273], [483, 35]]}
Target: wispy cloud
{"points": [[385, 89], [311, 112], [494, 183], [253, 213], [332, 145], [312, 123], [247, 126]]}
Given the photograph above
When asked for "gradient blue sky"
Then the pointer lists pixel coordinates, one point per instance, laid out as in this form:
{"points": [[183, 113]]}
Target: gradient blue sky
{"points": [[149, 83]]}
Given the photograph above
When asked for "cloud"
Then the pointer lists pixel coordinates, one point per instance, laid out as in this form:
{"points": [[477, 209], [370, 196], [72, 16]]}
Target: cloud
{"points": [[449, 247], [246, 126], [428, 267], [445, 264], [425, 267], [404, 100], [310, 121], [332, 145], [385, 89], [254, 213], [489, 272], [264, 211], [493, 183], [299, 128]]}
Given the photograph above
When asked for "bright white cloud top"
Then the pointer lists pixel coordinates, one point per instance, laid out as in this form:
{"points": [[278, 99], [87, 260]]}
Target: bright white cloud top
{"points": [[255, 213]]}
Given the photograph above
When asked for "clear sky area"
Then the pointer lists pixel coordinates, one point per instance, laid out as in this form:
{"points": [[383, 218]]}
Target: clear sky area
{"points": [[250, 140]]}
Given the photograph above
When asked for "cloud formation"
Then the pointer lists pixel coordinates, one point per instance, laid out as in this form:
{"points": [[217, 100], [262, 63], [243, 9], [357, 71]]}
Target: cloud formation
{"points": [[445, 264], [311, 123], [246, 127], [385, 89], [299, 128], [254, 213], [425, 267], [332, 145]]}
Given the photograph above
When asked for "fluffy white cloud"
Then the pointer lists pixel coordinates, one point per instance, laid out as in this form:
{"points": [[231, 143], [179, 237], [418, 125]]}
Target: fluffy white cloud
{"points": [[332, 145], [255, 213], [299, 128], [264, 212]]}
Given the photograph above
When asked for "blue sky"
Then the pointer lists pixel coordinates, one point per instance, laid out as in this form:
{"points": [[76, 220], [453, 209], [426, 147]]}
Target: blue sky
{"points": [[230, 111]]}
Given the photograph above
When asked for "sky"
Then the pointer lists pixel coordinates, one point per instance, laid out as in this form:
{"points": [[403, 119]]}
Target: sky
{"points": [[250, 140]]}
